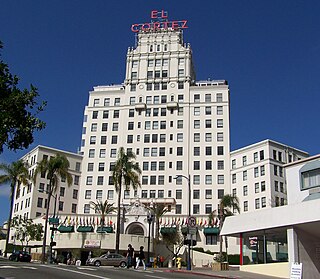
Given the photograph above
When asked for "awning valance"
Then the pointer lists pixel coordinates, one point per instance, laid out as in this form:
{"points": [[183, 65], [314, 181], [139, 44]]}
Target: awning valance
{"points": [[168, 230], [85, 229], [214, 230], [66, 229], [104, 230], [53, 221]]}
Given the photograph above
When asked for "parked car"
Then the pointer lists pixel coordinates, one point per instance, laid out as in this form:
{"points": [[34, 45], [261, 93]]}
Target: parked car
{"points": [[20, 256], [111, 259]]}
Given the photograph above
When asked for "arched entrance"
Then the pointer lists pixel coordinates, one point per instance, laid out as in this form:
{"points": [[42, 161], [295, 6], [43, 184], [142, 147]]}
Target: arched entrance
{"points": [[135, 228]]}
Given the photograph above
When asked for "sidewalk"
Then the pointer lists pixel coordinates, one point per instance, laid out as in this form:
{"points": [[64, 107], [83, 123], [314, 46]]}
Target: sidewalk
{"points": [[228, 274]]}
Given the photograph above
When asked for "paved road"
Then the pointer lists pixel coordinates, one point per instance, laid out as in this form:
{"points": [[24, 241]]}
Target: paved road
{"points": [[13, 270]]}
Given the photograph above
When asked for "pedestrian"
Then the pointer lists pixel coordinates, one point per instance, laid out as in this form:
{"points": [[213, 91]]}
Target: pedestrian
{"points": [[130, 255], [69, 258], [161, 260], [141, 258]]}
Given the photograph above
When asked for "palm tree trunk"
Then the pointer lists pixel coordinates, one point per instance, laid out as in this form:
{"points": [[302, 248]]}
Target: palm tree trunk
{"points": [[118, 220], [220, 228], [44, 243], [9, 220]]}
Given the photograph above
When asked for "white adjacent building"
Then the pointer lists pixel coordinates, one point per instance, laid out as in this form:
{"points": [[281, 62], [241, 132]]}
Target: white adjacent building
{"points": [[31, 200], [257, 174]]}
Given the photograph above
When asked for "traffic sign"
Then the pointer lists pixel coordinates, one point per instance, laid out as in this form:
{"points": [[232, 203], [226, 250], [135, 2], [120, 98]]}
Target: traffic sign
{"points": [[192, 222]]}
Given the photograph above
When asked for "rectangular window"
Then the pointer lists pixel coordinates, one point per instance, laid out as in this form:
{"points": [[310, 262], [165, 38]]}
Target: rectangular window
{"points": [[89, 180], [220, 165], [208, 98], [219, 110], [196, 111], [245, 206], [100, 180], [196, 151], [219, 123], [99, 195], [91, 153], [196, 124], [196, 209], [263, 186], [219, 97], [255, 156], [87, 195], [106, 102], [208, 194], [256, 188], [104, 127], [75, 194], [86, 208], [244, 175], [208, 137], [219, 136], [114, 139], [212, 239], [257, 203], [110, 195], [245, 190], [256, 172], [220, 150], [220, 179], [208, 110], [178, 194], [262, 170], [208, 123], [208, 179], [196, 194]]}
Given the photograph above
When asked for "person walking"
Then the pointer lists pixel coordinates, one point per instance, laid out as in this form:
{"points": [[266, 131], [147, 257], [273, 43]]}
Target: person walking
{"points": [[130, 255], [141, 258]]}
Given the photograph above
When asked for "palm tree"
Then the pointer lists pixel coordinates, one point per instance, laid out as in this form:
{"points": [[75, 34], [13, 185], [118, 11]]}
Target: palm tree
{"points": [[56, 168], [15, 174], [126, 172], [103, 208], [228, 204], [159, 210]]}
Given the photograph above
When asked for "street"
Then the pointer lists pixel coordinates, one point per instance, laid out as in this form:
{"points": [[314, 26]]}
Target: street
{"points": [[17, 270]]}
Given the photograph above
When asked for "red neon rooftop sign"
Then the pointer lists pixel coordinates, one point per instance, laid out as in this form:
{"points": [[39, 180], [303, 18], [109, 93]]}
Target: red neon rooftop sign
{"points": [[159, 20]]}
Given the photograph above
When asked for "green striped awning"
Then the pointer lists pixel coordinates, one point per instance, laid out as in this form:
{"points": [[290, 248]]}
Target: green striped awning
{"points": [[85, 229], [66, 229], [214, 230], [104, 230], [168, 230]]}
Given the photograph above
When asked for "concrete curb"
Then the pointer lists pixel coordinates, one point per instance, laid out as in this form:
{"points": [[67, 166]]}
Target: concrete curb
{"points": [[202, 274]]}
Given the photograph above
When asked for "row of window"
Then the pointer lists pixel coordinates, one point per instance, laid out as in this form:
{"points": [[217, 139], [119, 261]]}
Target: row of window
{"points": [[256, 157], [157, 194], [26, 205], [258, 203], [156, 99], [279, 187], [245, 174], [160, 152], [42, 203], [258, 187], [155, 138], [160, 179]]}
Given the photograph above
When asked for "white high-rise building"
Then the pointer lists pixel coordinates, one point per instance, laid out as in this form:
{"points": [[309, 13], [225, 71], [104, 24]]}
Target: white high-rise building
{"points": [[257, 174], [175, 126]]}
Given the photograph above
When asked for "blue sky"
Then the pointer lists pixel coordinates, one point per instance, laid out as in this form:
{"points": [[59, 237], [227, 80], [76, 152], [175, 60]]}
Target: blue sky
{"points": [[269, 51]]}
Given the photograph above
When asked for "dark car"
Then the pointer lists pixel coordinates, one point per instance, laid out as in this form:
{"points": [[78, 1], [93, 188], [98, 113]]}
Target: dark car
{"points": [[20, 256], [111, 259]]}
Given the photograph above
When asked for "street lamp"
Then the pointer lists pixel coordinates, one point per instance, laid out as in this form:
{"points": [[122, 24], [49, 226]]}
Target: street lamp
{"points": [[189, 214], [54, 217], [150, 218]]}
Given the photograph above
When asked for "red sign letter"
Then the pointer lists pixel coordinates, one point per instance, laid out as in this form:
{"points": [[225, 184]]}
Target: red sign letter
{"points": [[154, 14], [134, 27], [164, 14]]}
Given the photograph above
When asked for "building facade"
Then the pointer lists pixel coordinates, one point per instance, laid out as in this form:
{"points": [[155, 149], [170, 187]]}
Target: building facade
{"points": [[175, 125], [257, 174]]}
